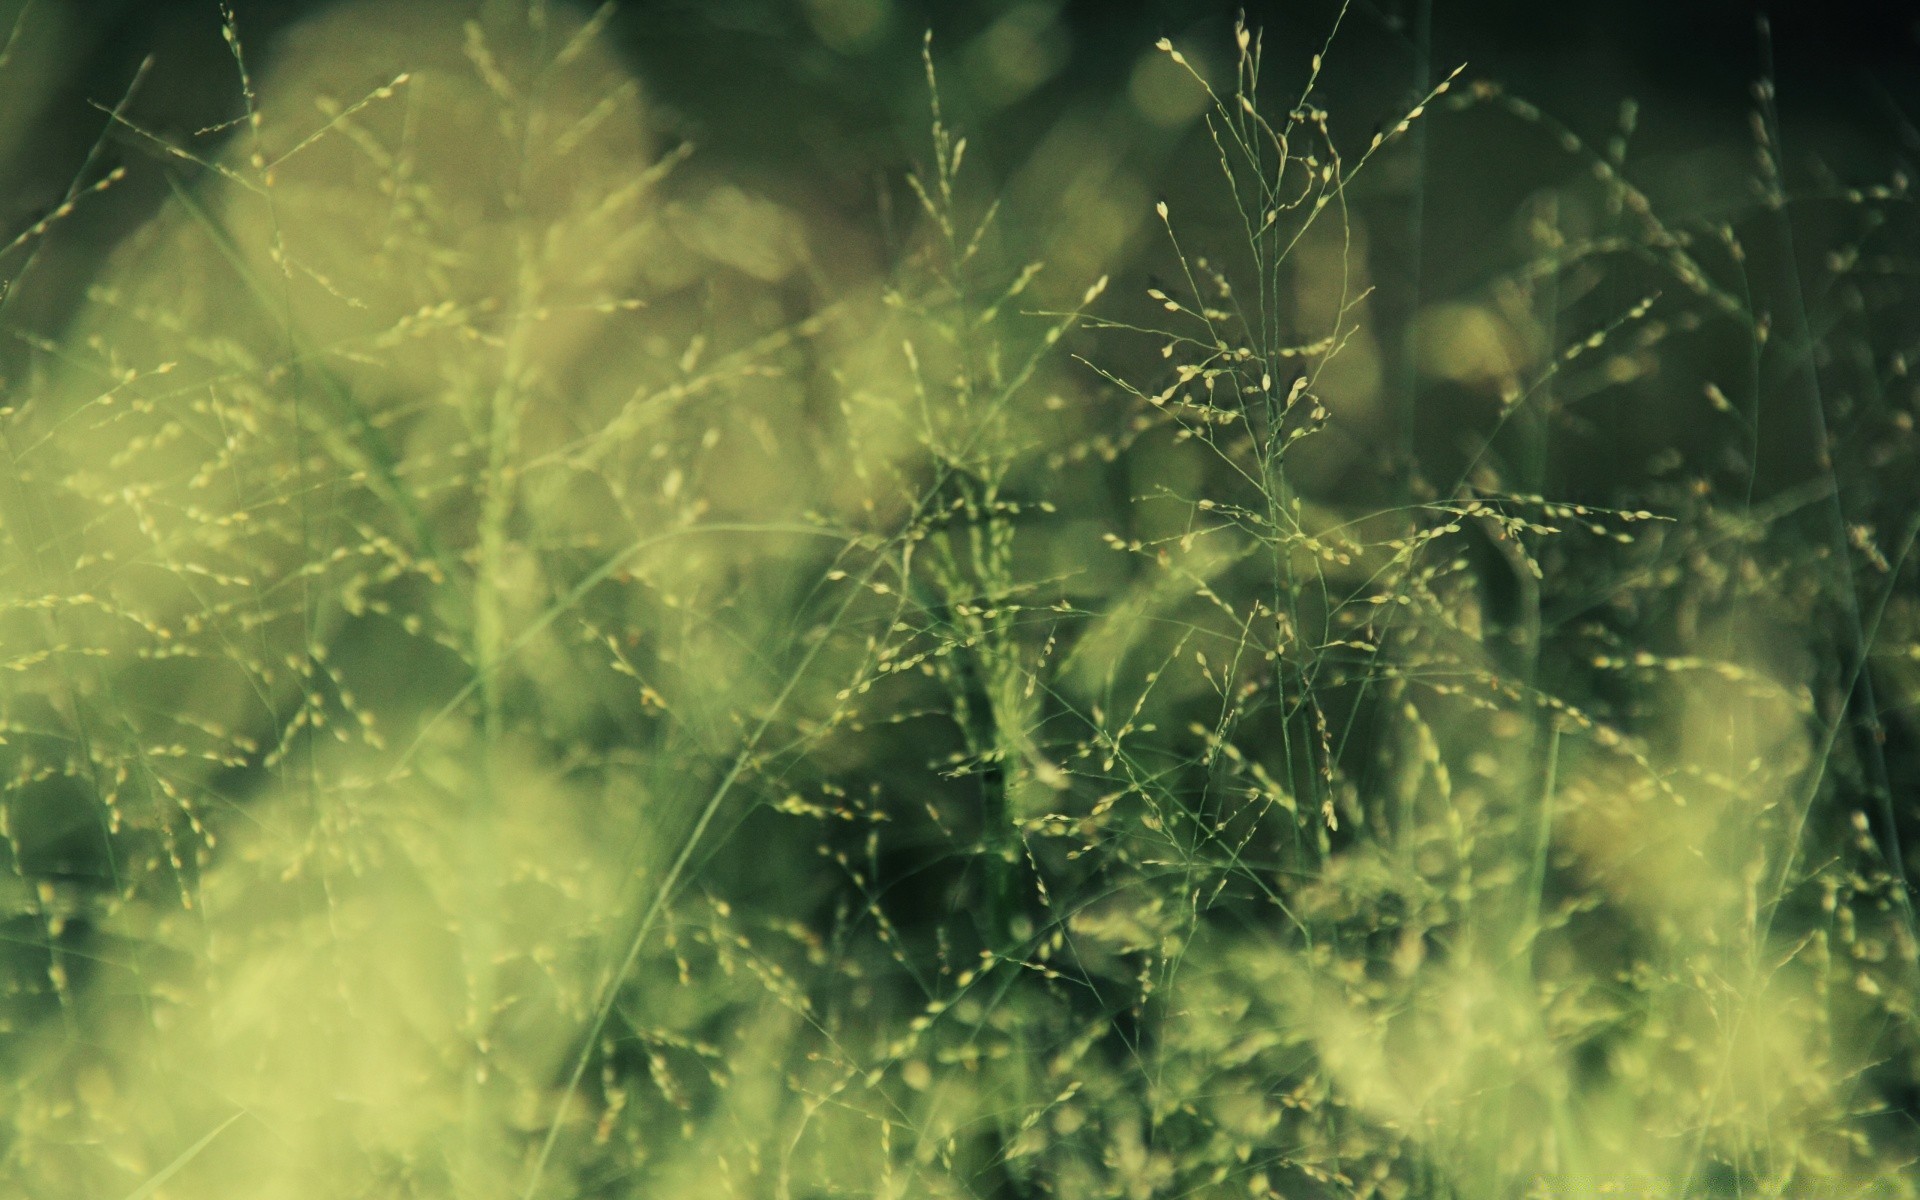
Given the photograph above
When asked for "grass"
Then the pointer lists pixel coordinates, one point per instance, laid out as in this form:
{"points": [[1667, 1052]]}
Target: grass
{"points": [[521, 684]]}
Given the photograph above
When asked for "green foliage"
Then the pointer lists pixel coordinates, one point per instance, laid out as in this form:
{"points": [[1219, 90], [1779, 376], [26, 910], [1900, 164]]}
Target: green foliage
{"points": [[523, 685]]}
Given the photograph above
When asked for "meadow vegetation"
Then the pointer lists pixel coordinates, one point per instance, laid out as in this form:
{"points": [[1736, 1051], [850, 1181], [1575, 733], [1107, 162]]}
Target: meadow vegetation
{"points": [[536, 669]]}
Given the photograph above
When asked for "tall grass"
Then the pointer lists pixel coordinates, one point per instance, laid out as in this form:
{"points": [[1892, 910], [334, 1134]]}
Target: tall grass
{"points": [[525, 684]]}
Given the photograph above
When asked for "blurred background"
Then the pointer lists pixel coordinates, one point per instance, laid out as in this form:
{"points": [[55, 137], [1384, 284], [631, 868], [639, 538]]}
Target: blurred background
{"points": [[1076, 125], [823, 100]]}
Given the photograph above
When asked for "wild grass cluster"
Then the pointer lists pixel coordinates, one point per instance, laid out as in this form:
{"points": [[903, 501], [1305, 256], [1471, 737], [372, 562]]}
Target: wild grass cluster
{"points": [[525, 679]]}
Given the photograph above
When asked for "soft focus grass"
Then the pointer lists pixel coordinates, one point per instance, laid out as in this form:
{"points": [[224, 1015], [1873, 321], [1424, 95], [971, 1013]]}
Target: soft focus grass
{"points": [[537, 667]]}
